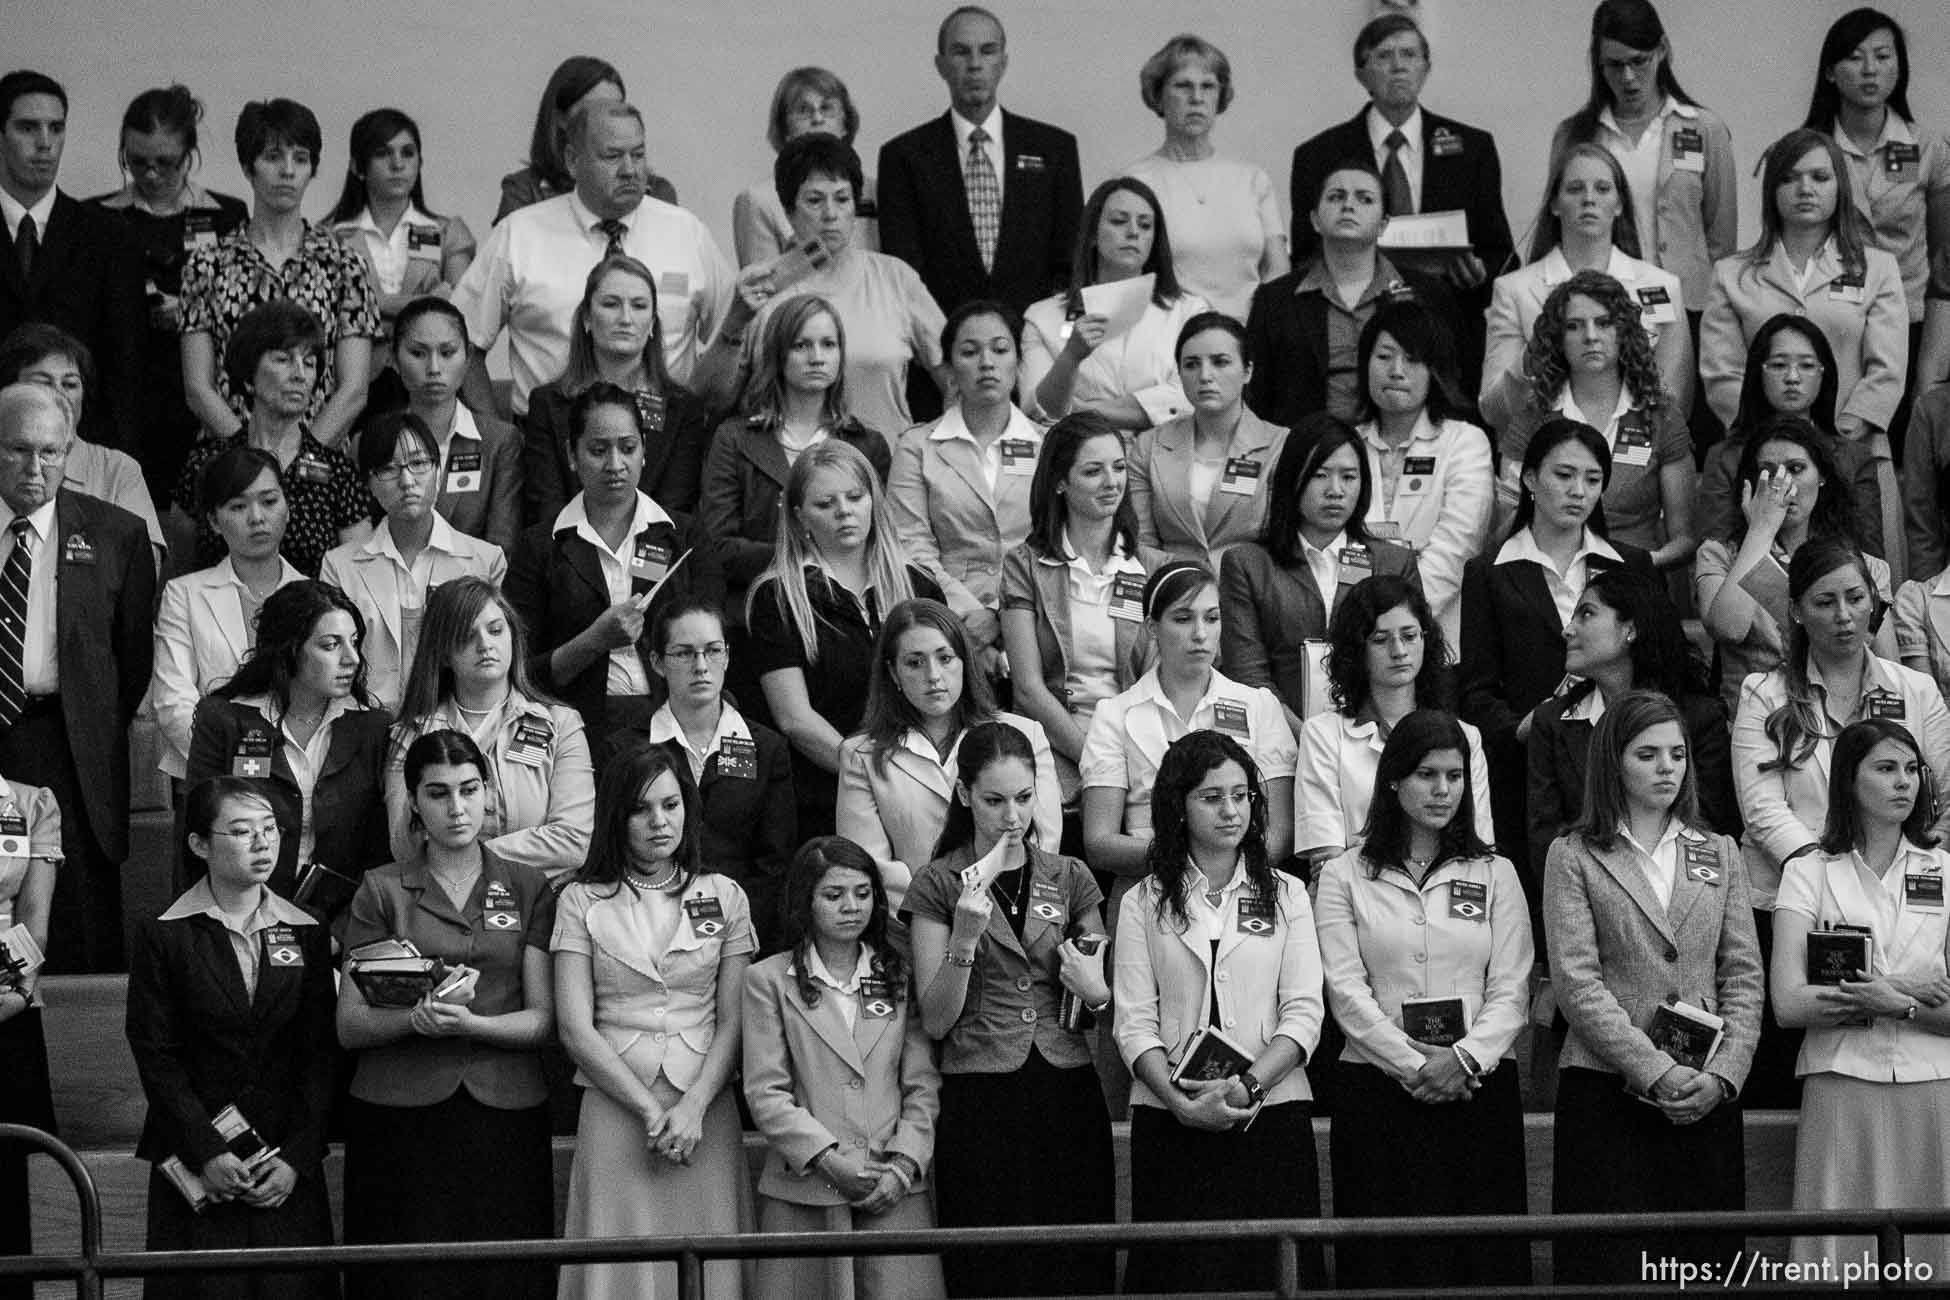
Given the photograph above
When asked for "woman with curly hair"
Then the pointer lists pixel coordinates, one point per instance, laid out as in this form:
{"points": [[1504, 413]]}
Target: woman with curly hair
{"points": [[1587, 361]]}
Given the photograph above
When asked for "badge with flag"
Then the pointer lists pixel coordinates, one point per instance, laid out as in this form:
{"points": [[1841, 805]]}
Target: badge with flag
{"points": [[1255, 915], [281, 947], [876, 999], [1469, 900], [252, 756], [707, 916]]}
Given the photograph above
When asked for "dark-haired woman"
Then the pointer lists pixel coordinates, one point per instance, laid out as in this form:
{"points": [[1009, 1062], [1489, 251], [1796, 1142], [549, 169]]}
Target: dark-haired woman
{"points": [[1586, 361], [1874, 1062], [33, 854], [1214, 937], [273, 356], [382, 215], [277, 254], [479, 460], [587, 581], [1199, 482], [1624, 635], [615, 338], [577, 80], [207, 620], [839, 1073], [1386, 658], [1426, 946], [1433, 480], [413, 550], [451, 1088], [806, 100], [1070, 360], [1024, 1136], [1790, 495], [1644, 907], [297, 721], [169, 216], [1277, 592], [230, 1005], [650, 957]]}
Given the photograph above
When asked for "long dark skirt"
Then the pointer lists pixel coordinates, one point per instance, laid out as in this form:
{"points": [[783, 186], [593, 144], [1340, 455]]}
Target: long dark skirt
{"points": [[26, 1097], [1268, 1172], [1772, 1083], [303, 1220], [1394, 1155], [1616, 1154], [454, 1171], [1028, 1147]]}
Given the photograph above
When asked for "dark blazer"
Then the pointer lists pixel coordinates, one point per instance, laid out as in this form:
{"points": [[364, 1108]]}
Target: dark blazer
{"points": [[200, 1044], [348, 803], [88, 280], [924, 217], [673, 460], [492, 511], [105, 617], [1286, 331], [1559, 752]]}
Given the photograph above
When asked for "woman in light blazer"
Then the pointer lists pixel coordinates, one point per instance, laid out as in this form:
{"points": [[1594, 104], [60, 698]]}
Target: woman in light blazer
{"points": [[840, 1076], [391, 575], [959, 488], [1922, 617], [207, 620], [1199, 482], [897, 775], [1643, 907]]}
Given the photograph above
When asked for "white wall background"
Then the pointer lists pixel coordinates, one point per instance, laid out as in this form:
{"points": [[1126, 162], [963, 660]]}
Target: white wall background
{"points": [[471, 71]]}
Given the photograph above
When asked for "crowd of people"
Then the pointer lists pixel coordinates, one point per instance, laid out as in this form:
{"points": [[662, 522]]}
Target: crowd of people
{"points": [[985, 662]]}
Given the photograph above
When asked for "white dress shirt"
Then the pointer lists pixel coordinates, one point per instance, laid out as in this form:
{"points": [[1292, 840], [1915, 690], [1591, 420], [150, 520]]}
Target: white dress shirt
{"points": [[845, 993], [1565, 585], [626, 675], [1410, 152], [1659, 862], [664, 726], [390, 254], [993, 147], [40, 649], [12, 211], [1640, 163]]}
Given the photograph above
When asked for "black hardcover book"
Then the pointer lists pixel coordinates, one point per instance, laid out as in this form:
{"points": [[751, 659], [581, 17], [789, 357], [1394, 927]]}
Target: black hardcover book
{"points": [[1210, 1055], [1687, 1034], [1837, 955], [1435, 1021]]}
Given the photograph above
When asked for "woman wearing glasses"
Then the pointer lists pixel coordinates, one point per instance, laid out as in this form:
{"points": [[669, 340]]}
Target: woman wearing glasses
{"points": [[390, 575]]}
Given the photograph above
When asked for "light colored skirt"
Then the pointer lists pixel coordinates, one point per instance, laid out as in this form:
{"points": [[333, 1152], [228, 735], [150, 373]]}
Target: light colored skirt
{"points": [[1865, 1145], [838, 1277]]}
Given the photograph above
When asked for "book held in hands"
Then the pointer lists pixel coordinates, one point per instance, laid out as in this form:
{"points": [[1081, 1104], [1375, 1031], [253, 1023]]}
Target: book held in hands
{"points": [[1438, 1022], [242, 1140], [393, 973], [1686, 1033], [1838, 954]]}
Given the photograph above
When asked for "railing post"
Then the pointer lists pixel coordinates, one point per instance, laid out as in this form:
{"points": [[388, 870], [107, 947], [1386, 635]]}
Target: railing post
{"points": [[690, 1276], [87, 1283], [1889, 1250], [1288, 1256]]}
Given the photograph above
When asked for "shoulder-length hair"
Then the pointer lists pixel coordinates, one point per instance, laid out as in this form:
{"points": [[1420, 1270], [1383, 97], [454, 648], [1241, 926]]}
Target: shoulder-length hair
{"points": [[816, 857], [1634, 24], [985, 744], [370, 134], [203, 804], [889, 712], [1801, 722], [1844, 34], [1843, 831], [285, 621], [446, 629], [827, 85], [793, 551], [1662, 658], [1084, 270], [1316, 437], [619, 788], [573, 78], [1624, 720], [1846, 226], [1168, 857], [1354, 622], [1385, 839], [581, 371], [1425, 339], [1624, 229], [1550, 435], [1834, 512], [765, 393], [1179, 50], [1547, 368], [1049, 509], [1753, 392]]}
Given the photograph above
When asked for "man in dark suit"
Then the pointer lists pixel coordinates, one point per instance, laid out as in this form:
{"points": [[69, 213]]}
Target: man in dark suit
{"points": [[77, 591], [984, 204], [1438, 165], [68, 263]]}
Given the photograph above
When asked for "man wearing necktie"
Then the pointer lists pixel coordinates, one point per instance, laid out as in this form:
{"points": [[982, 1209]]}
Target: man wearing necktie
{"points": [[77, 587]]}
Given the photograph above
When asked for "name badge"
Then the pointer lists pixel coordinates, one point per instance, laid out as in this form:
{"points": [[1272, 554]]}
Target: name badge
{"points": [[531, 742], [1923, 891], [1357, 562], [1702, 863], [464, 470], [1848, 288], [650, 411], [1688, 150], [1018, 456], [252, 756], [199, 231], [1229, 716], [1469, 900], [1127, 597], [423, 243], [1418, 465], [1044, 910], [1655, 306], [1242, 476], [1634, 442], [649, 564], [1030, 162], [78, 550], [738, 757], [1898, 158], [1885, 704], [310, 469], [1255, 915], [674, 284], [13, 836], [498, 912], [281, 948], [877, 999], [707, 916], [1444, 143]]}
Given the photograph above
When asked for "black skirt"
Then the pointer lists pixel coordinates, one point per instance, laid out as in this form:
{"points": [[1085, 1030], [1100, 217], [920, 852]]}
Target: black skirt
{"points": [[1267, 1172], [1031, 1146], [26, 1097], [1393, 1155], [1616, 1154], [454, 1171], [305, 1219]]}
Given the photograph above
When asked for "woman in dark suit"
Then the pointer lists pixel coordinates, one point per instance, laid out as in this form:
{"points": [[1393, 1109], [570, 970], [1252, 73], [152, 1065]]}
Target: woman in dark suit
{"points": [[583, 579], [480, 456], [1642, 906], [297, 722], [1273, 592], [230, 1004]]}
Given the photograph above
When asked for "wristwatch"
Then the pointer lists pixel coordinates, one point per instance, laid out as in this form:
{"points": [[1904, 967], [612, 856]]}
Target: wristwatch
{"points": [[1911, 1013], [1255, 1090]]}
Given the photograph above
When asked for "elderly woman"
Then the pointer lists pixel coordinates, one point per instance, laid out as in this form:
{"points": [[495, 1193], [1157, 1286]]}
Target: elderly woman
{"points": [[807, 100], [1226, 213]]}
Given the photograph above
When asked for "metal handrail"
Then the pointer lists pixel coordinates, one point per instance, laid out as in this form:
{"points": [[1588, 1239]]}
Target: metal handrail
{"points": [[1286, 1237]]}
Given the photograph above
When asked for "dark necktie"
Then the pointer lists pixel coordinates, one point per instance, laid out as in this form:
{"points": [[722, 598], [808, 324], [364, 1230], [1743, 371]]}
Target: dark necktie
{"points": [[984, 196], [1395, 196], [615, 230], [27, 244], [13, 623]]}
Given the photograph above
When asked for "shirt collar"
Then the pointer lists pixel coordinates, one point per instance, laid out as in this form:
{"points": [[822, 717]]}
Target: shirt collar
{"points": [[1523, 546], [589, 223], [288, 573], [198, 900], [41, 521], [1331, 551], [1620, 267], [1233, 886], [965, 128], [664, 726], [1875, 676], [576, 515], [1568, 405], [1148, 687], [1426, 430], [441, 539], [1588, 707], [1894, 131], [1940, 585], [1674, 829], [862, 969], [195, 199], [1668, 108], [42, 209], [367, 223], [1411, 129]]}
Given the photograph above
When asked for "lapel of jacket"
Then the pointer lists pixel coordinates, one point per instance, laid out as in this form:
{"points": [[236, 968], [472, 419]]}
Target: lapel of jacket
{"points": [[765, 455], [212, 944], [1438, 171], [74, 584], [379, 577], [1687, 890], [216, 600], [826, 1021], [276, 984], [344, 746], [1528, 583], [947, 151], [1171, 470], [962, 457], [868, 1030], [1619, 863], [579, 557], [928, 775]]}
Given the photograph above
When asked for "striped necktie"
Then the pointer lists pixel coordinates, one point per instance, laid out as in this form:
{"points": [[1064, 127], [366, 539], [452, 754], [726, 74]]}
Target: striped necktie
{"points": [[614, 230], [984, 196], [13, 623]]}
